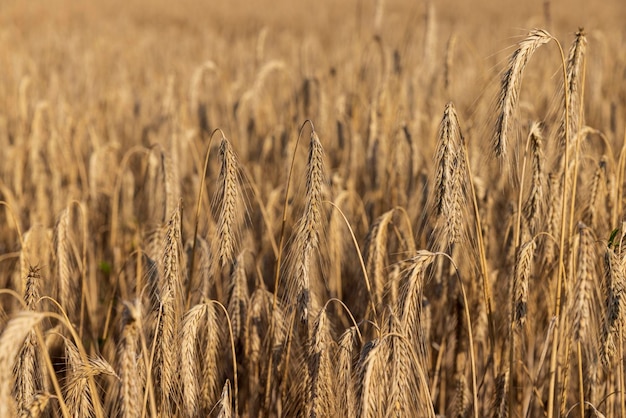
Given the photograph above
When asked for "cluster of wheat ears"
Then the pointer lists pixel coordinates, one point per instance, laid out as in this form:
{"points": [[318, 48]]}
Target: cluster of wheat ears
{"points": [[347, 244]]}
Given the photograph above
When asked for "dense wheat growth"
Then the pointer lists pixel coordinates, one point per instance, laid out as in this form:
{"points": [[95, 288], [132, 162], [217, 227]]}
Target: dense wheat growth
{"points": [[362, 208]]}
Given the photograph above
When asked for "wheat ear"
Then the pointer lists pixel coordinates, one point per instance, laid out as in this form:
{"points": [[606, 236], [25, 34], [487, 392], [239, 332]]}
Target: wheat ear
{"points": [[239, 299], [11, 342], [189, 358], [130, 360], [449, 187], [307, 234], [229, 199], [168, 293], [533, 206], [321, 391], [511, 85]]}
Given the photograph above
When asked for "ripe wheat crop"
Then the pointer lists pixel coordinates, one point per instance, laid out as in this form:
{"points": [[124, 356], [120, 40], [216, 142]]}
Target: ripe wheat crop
{"points": [[339, 209]]}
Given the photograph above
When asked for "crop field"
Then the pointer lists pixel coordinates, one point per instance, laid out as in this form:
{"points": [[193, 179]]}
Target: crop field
{"points": [[360, 208]]}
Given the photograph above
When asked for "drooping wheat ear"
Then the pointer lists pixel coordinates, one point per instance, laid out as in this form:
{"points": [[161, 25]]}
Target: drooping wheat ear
{"points": [[189, 373], [583, 293], [372, 379], [238, 303], [376, 254], [449, 185], [523, 271], [347, 351], [321, 391], [28, 371], [308, 229], [411, 296], [533, 206], [500, 407], [211, 366], [11, 340], [168, 293], [79, 399], [230, 205], [129, 360], [225, 405], [615, 284], [575, 79], [511, 85], [65, 264]]}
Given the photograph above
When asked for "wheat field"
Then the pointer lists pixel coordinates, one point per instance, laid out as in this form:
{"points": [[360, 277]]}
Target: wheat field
{"points": [[369, 208]]}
